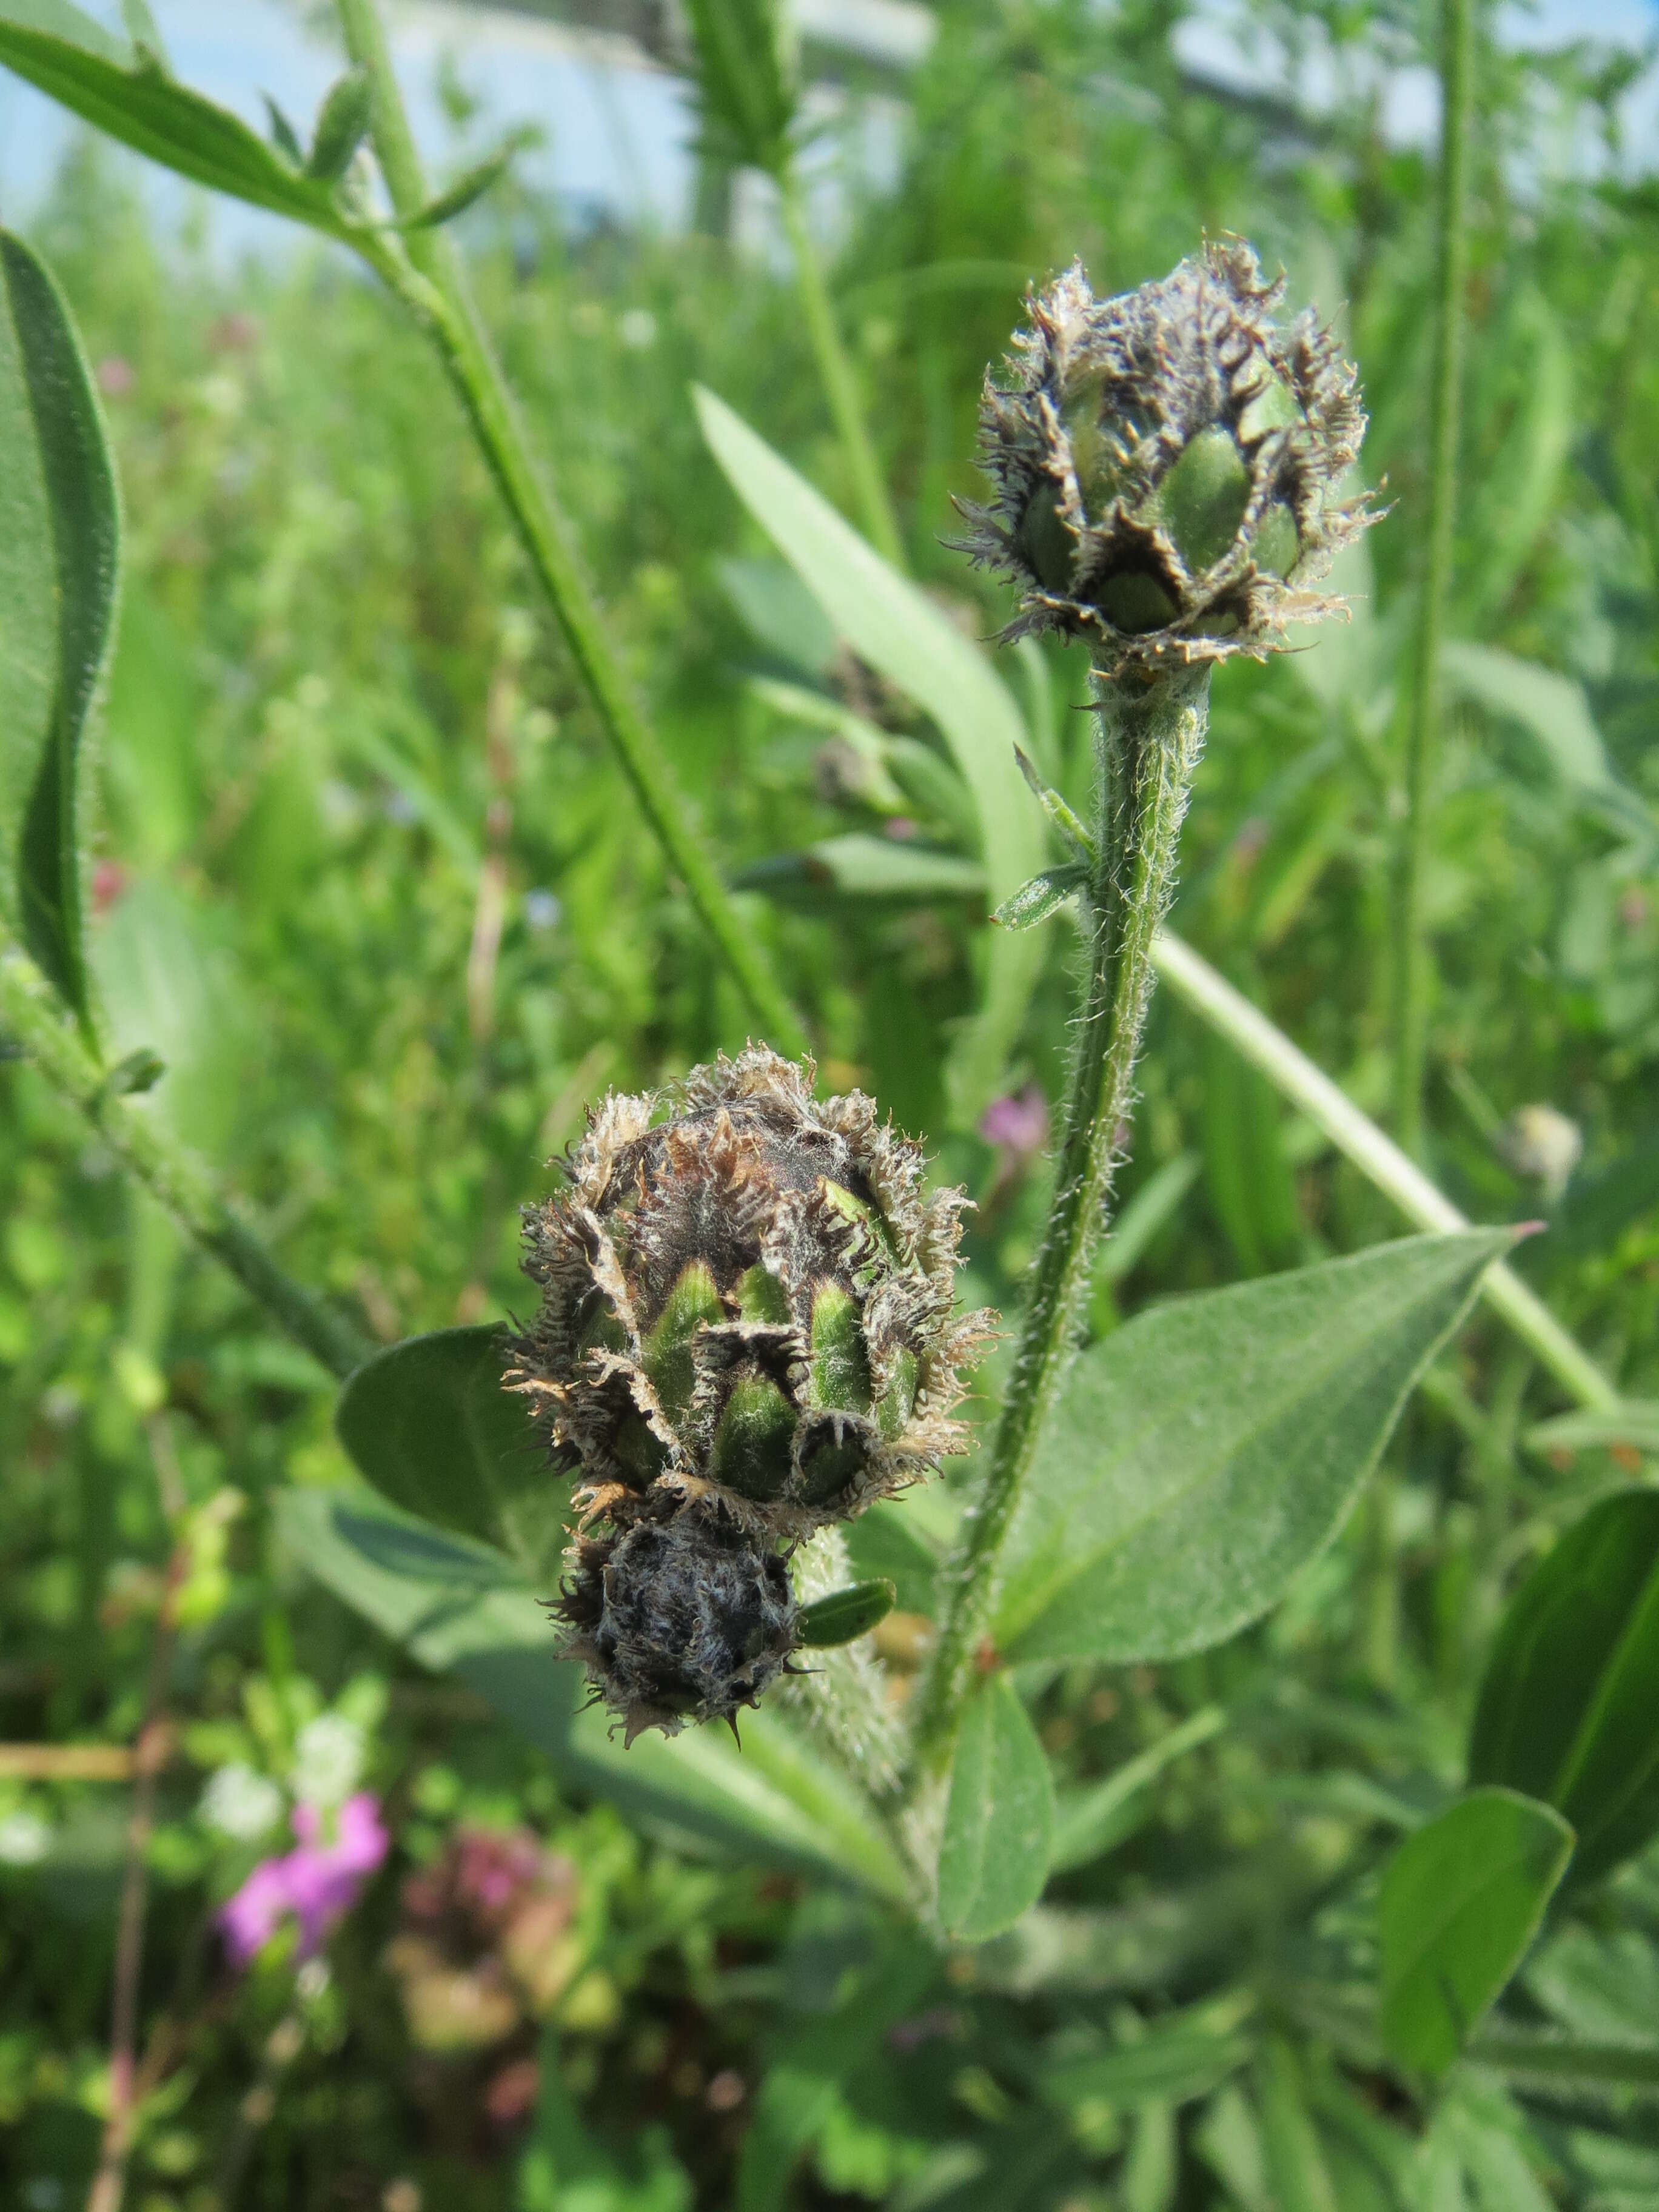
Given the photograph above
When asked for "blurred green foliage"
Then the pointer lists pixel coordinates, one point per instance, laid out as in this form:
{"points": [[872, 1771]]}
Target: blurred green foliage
{"points": [[334, 703]]}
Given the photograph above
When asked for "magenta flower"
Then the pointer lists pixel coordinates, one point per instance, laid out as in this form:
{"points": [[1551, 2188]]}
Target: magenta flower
{"points": [[318, 1883], [1017, 1127]]}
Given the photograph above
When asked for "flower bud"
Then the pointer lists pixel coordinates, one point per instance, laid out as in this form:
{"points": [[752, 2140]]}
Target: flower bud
{"points": [[746, 1331], [1166, 464], [680, 1616]]}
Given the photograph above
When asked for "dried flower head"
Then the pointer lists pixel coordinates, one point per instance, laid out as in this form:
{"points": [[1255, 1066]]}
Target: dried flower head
{"points": [[751, 1300], [746, 1331], [1166, 464]]}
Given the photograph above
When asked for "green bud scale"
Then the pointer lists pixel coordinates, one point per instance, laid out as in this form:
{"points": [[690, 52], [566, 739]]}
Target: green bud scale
{"points": [[1166, 464], [746, 1331]]}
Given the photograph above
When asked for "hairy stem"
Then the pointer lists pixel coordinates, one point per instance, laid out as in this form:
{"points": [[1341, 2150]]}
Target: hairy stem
{"points": [[1380, 1160], [1150, 739], [31, 1016], [836, 371], [427, 276], [1411, 980]]}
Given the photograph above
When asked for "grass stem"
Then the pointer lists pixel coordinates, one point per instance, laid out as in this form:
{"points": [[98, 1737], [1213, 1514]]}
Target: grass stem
{"points": [[1150, 739], [1412, 976], [840, 388], [426, 274], [31, 1015]]}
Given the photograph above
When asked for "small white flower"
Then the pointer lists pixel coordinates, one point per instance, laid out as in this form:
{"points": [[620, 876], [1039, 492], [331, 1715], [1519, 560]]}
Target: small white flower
{"points": [[328, 1759], [25, 1839], [638, 328], [240, 1803]]}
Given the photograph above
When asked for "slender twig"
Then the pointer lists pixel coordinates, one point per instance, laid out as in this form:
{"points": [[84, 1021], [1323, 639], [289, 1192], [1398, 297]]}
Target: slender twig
{"points": [[1411, 948], [839, 387], [32, 1017], [426, 274], [1151, 737], [109, 2182], [1248, 1031]]}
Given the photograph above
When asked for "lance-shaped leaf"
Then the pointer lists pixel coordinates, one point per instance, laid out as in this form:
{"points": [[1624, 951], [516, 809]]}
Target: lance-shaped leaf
{"points": [[999, 1818], [60, 540], [1075, 837], [429, 1425], [846, 1613], [343, 124], [1199, 1459], [860, 867], [74, 60], [897, 630], [472, 184], [1567, 1710], [461, 1607], [1044, 895], [1460, 1901]]}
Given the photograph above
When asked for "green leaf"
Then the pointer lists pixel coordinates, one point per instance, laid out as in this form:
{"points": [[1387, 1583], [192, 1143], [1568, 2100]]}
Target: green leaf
{"points": [[846, 1613], [75, 62], [343, 124], [1460, 1901], [1635, 1425], [1044, 895], [999, 1818], [460, 1606], [1199, 1458], [1550, 707], [1566, 1710], [1173, 2063], [60, 547], [857, 865], [1089, 1821], [429, 1423], [1073, 836], [897, 630], [471, 186]]}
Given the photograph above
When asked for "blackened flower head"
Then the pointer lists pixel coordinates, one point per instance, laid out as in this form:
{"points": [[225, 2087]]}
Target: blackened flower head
{"points": [[1166, 464], [746, 1296], [680, 1615]]}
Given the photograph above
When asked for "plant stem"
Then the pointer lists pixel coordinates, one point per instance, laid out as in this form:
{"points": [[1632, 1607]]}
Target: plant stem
{"points": [[109, 2182], [1150, 740], [1292, 1074], [1411, 948], [426, 275], [30, 1014], [836, 371]]}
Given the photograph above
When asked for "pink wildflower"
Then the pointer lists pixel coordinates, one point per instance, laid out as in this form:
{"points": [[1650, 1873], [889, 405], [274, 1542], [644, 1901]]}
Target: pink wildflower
{"points": [[1017, 1127], [318, 1883]]}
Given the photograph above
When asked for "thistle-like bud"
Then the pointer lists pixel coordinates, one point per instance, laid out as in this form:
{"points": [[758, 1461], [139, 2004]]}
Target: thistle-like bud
{"points": [[680, 1615], [746, 1332], [1166, 464]]}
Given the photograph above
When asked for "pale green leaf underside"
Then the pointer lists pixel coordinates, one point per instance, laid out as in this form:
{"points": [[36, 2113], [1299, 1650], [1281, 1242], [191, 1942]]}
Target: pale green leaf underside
{"points": [[1198, 1459], [460, 1606], [999, 1818], [898, 631]]}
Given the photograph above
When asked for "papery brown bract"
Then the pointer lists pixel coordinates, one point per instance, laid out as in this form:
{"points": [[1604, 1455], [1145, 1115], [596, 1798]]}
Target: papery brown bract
{"points": [[1166, 464]]}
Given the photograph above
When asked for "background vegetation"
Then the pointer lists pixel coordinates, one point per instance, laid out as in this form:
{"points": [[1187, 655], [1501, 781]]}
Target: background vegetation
{"points": [[369, 882]]}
